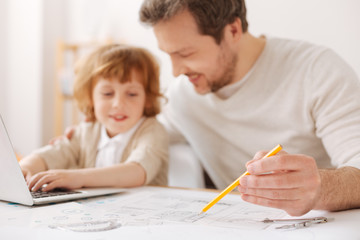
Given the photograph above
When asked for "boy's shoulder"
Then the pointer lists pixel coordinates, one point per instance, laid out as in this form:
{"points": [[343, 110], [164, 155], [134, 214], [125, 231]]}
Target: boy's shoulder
{"points": [[88, 128], [151, 128], [151, 123], [149, 134]]}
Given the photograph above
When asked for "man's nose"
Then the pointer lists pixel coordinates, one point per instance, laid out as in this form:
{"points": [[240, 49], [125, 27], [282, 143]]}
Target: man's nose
{"points": [[178, 66]]}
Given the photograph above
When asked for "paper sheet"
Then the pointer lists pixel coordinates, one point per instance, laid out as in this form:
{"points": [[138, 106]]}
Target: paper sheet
{"points": [[159, 206], [150, 206], [165, 213]]}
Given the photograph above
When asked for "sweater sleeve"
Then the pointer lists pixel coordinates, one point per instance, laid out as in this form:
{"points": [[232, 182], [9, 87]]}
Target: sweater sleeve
{"points": [[336, 108], [150, 149], [64, 154]]}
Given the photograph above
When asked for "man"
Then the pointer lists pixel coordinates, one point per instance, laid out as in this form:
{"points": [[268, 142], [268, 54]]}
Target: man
{"points": [[244, 93]]}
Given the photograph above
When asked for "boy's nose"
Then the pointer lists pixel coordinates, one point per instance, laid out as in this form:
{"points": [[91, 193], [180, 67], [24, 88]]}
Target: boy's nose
{"points": [[119, 102]]}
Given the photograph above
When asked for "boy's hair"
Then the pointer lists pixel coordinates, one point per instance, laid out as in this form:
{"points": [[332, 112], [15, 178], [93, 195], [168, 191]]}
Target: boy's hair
{"points": [[117, 60], [211, 16]]}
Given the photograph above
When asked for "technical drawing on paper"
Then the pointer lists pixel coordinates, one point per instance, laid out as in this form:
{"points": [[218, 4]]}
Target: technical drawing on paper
{"points": [[151, 206]]}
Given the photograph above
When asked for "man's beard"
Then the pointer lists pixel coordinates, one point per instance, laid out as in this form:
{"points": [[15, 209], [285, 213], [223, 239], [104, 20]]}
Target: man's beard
{"points": [[227, 77]]}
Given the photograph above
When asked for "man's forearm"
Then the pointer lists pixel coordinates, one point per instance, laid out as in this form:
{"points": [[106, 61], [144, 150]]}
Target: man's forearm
{"points": [[340, 189]]}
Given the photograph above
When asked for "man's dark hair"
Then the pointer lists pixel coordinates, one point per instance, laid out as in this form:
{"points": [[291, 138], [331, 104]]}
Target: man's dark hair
{"points": [[211, 16]]}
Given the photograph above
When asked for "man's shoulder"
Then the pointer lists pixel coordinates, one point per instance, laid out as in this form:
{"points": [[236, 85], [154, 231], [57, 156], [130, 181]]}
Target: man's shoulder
{"points": [[316, 56], [284, 42], [287, 54], [294, 48]]}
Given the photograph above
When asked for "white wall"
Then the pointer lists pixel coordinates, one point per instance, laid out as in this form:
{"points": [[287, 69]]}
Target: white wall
{"points": [[3, 55], [118, 20], [27, 71], [24, 87], [331, 23], [54, 28], [31, 28]]}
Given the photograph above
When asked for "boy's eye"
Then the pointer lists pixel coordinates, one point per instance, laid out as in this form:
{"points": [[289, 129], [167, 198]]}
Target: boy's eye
{"points": [[132, 94], [107, 93]]}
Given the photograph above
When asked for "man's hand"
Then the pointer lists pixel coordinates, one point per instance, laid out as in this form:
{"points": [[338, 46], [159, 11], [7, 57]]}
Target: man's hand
{"points": [[69, 131], [59, 178], [284, 181]]}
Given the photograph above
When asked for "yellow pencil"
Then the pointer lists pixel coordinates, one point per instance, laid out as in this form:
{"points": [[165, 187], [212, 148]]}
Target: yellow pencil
{"points": [[274, 151]]}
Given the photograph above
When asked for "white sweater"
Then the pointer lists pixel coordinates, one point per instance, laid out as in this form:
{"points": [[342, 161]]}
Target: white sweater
{"points": [[302, 96]]}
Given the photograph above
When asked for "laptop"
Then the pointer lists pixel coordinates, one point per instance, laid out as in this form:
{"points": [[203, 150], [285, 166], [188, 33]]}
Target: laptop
{"points": [[13, 187]]}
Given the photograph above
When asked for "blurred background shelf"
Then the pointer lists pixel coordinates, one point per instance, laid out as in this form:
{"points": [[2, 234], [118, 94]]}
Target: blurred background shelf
{"points": [[67, 55]]}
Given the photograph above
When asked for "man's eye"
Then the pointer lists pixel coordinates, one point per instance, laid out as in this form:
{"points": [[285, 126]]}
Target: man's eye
{"points": [[185, 55]]}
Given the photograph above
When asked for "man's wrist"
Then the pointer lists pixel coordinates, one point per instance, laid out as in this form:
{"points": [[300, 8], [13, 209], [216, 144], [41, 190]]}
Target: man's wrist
{"points": [[339, 189]]}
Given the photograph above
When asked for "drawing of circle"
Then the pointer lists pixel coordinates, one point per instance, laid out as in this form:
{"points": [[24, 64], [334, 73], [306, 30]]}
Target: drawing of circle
{"points": [[60, 218], [72, 211], [86, 218], [110, 215]]}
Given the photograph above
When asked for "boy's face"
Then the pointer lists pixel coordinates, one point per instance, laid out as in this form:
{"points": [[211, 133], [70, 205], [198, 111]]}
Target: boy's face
{"points": [[208, 65], [119, 106]]}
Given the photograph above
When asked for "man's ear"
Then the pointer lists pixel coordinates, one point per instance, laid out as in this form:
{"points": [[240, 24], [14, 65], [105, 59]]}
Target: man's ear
{"points": [[234, 29]]}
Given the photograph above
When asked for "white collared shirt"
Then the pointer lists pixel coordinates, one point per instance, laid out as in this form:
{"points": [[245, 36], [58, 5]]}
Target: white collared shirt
{"points": [[110, 150]]}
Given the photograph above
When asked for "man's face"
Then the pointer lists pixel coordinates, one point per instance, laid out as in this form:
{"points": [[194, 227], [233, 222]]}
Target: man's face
{"points": [[208, 65]]}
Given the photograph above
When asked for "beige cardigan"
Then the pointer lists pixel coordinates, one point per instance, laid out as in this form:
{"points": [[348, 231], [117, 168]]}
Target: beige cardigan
{"points": [[148, 146]]}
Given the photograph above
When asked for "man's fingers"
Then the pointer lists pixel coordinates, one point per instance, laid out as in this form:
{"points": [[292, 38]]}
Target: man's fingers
{"points": [[275, 194], [261, 154], [292, 207], [55, 139], [69, 131], [281, 162], [283, 180]]}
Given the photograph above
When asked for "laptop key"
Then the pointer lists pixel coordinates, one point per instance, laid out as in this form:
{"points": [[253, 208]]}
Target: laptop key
{"points": [[41, 194]]}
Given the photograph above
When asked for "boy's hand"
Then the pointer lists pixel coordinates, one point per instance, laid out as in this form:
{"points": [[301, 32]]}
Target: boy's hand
{"points": [[58, 178], [30, 165], [27, 174]]}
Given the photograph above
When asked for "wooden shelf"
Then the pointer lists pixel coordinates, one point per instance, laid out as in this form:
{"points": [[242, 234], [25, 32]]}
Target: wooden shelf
{"points": [[66, 56]]}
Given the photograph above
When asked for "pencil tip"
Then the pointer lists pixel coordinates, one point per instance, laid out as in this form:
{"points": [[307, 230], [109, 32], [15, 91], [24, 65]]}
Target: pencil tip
{"points": [[200, 213]]}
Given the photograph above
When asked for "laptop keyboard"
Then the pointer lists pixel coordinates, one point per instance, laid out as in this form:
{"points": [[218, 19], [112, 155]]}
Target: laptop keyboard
{"points": [[40, 194]]}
